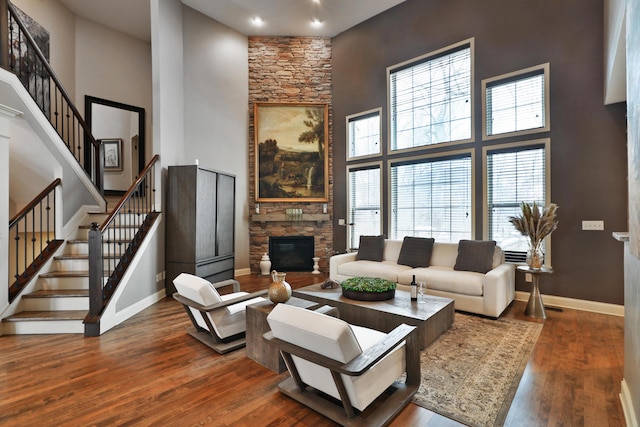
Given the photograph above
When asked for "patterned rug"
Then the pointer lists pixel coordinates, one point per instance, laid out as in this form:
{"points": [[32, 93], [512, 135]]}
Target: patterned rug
{"points": [[471, 373]]}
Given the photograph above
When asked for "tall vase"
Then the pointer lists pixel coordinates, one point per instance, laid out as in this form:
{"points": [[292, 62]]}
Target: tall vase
{"points": [[279, 290], [535, 256]]}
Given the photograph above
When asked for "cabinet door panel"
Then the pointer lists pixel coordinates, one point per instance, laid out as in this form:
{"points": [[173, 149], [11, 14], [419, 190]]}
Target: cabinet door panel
{"points": [[206, 214], [181, 214], [226, 213]]}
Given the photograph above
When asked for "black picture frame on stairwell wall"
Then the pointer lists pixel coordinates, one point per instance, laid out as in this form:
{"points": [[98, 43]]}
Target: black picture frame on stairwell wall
{"points": [[112, 154]]}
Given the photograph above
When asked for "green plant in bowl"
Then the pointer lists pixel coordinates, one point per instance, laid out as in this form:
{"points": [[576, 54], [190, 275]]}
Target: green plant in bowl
{"points": [[368, 288]]}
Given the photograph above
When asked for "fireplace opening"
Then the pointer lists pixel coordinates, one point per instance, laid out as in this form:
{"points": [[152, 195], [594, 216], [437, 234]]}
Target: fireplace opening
{"points": [[291, 253]]}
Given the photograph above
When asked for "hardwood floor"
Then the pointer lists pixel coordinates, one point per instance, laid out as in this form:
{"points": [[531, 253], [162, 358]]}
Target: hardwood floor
{"points": [[148, 371]]}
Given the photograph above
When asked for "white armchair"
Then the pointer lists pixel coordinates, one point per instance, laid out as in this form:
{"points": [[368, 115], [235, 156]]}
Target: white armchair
{"points": [[327, 356], [218, 320]]}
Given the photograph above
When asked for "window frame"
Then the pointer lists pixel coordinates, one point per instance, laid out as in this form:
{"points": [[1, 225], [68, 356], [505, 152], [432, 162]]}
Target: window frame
{"points": [[514, 147], [511, 77], [356, 167], [363, 115], [433, 157], [421, 59]]}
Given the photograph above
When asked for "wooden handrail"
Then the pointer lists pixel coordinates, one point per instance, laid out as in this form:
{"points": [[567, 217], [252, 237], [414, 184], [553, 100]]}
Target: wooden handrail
{"points": [[129, 192], [34, 202]]}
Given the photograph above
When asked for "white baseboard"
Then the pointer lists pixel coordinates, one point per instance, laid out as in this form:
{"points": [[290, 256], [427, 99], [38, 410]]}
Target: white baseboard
{"points": [[627, 406], [577, 304], [243, 272]]}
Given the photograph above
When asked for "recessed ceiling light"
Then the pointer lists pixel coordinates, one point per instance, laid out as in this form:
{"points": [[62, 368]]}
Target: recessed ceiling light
{"points": [[316, 22], [257, 21]]}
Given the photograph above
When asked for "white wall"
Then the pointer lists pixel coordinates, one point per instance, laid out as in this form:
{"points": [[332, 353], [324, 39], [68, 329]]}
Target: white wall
{"points": [[114, 123], [41, 170], [114, 66], [216, 93]]}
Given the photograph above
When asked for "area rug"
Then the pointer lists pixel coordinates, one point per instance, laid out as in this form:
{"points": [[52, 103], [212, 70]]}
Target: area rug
{"points": [[471, 372]]}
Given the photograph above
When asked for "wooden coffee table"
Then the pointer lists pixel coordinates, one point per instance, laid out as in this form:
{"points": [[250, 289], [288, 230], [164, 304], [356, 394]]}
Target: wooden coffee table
{"points": [[432, 318]]}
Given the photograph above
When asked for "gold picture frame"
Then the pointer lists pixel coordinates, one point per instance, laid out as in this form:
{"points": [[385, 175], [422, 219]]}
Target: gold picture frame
{"points": [[291, 152]]}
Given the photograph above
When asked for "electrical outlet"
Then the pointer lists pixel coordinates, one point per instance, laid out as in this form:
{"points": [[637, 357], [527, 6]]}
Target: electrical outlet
{"points": [[528, 277], [341, 221], [593, 225]]}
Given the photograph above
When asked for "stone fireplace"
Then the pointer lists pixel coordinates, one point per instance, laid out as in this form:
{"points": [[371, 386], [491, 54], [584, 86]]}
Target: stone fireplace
{"points": [[290, 70]]}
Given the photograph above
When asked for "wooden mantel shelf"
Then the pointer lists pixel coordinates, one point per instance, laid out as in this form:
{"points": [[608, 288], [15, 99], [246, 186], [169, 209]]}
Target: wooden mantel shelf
{"points": [[263, 218]]}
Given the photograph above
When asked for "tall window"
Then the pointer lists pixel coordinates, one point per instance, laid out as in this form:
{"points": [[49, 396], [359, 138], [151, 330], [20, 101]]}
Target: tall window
{"points": [[363, 133], [364, 202], [514, 175], [430, 98], [517, 102], [432, 197]]}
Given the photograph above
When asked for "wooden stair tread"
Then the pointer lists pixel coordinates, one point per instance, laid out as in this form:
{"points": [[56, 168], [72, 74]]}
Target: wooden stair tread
{"points": [[134, 226], [52, 274], [57, 293], [47, 315], [81, 257], [85, 241]]}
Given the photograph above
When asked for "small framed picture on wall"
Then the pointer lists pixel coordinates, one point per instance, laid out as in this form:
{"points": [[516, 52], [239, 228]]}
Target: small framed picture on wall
{"points": [[112, 154]]}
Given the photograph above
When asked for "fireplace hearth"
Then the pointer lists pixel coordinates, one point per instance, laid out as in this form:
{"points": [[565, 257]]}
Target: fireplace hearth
{"points": [[291, 253]]}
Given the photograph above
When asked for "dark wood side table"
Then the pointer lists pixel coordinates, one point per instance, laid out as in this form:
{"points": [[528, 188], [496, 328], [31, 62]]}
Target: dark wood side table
{"points": [[535, 308], [258, 349]]}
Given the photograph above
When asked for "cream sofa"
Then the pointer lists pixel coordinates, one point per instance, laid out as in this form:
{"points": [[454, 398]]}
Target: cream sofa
{"points": [[482, 293]]}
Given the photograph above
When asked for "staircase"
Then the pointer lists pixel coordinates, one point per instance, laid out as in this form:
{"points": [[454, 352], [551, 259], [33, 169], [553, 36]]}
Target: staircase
{"points": [[60, 301]]}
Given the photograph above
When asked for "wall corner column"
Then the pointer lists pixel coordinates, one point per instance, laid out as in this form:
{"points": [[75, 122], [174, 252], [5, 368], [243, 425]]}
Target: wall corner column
{"points": [[6, 116]]}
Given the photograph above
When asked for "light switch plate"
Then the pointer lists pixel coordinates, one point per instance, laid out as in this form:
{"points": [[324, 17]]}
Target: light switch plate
{"points": [[593, 225]]}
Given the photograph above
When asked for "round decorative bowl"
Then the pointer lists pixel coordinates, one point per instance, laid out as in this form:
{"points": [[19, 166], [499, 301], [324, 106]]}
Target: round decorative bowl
{"points": [[368, 296], [368, 289]]}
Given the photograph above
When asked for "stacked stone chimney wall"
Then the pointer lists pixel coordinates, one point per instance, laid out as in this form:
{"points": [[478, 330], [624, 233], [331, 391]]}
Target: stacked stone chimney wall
{"points": [[289, 70]]}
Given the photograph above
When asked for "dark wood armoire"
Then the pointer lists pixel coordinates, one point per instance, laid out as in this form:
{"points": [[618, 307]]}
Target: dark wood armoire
{"points": [[200, 219]]}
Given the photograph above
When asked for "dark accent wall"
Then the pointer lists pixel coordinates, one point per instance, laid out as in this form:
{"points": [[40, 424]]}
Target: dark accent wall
{"points": [[588, 140]]}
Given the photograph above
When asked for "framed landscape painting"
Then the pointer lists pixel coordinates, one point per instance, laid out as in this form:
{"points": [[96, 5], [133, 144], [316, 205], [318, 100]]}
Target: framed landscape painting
{"points": [[291, 152]]}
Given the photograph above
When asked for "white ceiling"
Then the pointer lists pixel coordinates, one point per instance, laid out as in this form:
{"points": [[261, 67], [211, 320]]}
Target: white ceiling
{"points": [[281, 17]]}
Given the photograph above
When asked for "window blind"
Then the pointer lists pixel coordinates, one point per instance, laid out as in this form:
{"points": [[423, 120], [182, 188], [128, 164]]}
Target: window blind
{"points": [[516, 104], [513, 177], [364, 135], [430, 101], [364, 203], [432, 198]]}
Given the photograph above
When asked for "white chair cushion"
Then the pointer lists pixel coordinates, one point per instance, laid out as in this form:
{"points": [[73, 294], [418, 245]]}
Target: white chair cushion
{"points": [[240, 306], [225, 322], [306, 331], [196, 289], [322, 334]]}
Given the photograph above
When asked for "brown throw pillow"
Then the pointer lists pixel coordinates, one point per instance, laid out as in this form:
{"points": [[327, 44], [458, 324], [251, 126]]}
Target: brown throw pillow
{"points": [[416, 251], [475, 255], [371, 248]]}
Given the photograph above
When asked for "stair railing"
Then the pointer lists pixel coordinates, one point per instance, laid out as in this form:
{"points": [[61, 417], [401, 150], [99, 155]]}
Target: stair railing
{"points": [[113, 244], [22, 56], [32, 231]]}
